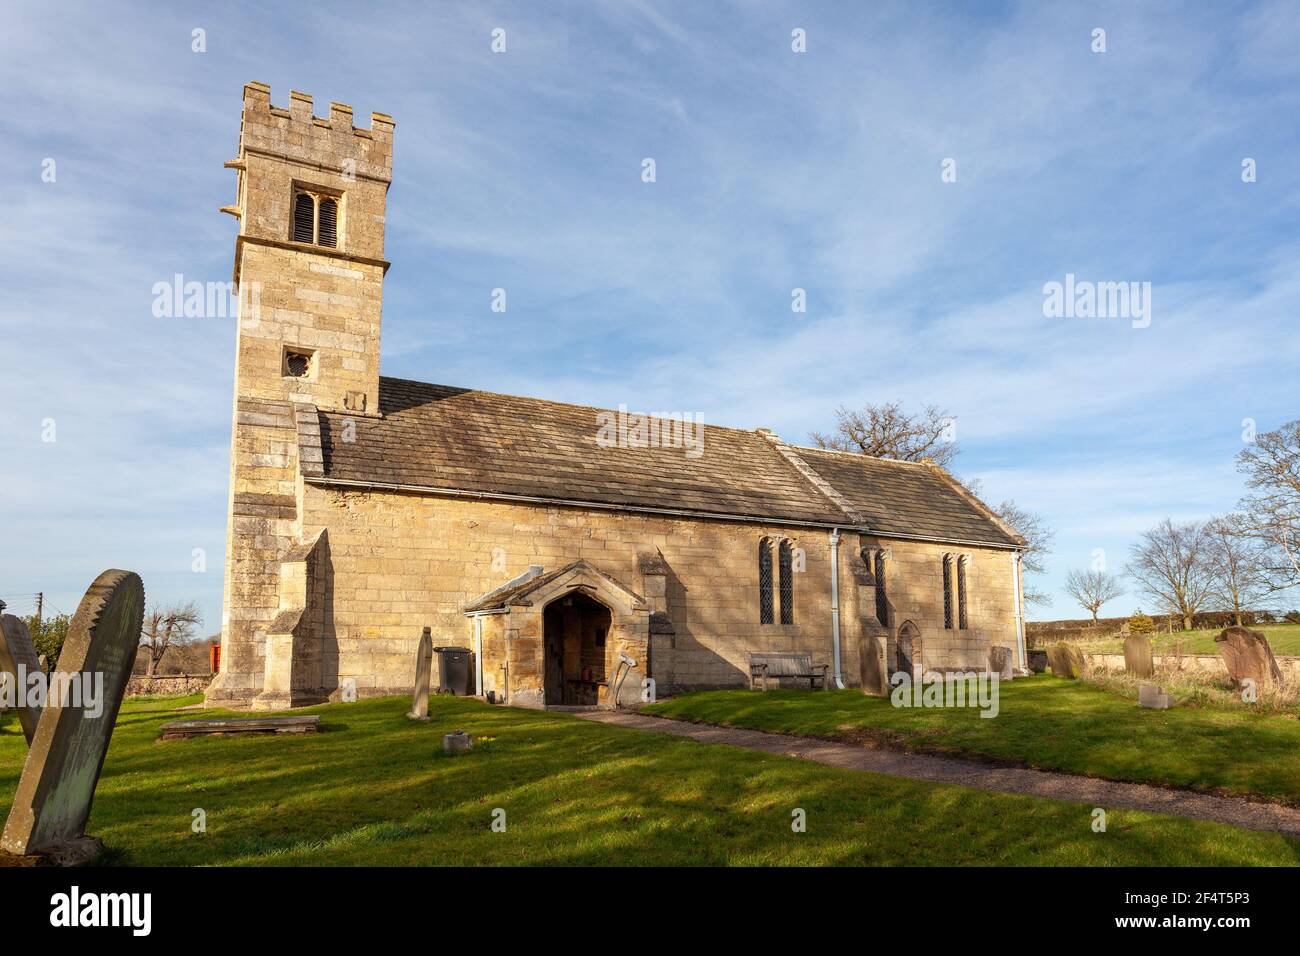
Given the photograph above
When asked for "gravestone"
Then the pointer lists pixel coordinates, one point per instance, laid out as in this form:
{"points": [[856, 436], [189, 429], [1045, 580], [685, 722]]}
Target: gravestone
{"points": [[1153, 697], [18, 660], [423, 665], [871, 665], [1137, 655], [1247, 653], [1065, 660], [57, 787], [457, 742], [1000, 662]]}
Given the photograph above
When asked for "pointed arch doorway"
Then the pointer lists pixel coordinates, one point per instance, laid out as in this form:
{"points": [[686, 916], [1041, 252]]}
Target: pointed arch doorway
{"points": [[575, 630]]}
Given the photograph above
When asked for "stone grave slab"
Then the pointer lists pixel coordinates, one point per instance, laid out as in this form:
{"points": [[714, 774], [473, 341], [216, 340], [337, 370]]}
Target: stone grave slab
{"points": [[423, 666], [1138, 660], [1246, 653], [19, 660]]}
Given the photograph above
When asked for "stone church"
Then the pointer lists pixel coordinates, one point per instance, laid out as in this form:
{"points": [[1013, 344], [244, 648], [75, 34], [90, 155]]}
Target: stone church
{"points": [[363, 509]]}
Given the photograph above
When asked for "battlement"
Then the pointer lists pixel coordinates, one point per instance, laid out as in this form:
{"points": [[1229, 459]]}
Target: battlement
{"points": [[297, 135]]}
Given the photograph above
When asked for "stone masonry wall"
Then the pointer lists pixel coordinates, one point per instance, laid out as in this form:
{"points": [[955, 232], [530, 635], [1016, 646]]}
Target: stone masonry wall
{"points": [[400, 562]]}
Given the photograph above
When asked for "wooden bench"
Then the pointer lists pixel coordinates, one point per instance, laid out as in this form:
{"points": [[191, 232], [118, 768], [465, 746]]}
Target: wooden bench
{"points": [[763, 666]]}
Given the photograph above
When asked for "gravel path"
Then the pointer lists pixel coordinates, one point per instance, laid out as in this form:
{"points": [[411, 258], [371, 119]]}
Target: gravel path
{"points": [[1250, 814]]}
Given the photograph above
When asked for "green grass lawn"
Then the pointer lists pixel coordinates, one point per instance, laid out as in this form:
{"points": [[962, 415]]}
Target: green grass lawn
{"points": [[374, 788], [1284, 638], [1043, 722]]}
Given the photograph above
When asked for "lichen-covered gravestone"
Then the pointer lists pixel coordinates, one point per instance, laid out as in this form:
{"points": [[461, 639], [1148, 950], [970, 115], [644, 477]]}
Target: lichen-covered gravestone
{"points": [[1065, 660], [1000, 662], [1247, 654], [1137, 655], [871, 660], [19, 662], [57, 787], [423, 664]]}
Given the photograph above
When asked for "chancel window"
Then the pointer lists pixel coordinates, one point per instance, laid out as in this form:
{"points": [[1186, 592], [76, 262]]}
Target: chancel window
{"points": [[765, 609], [882, 597], [785, 559], [961, 592], [947, 592]]}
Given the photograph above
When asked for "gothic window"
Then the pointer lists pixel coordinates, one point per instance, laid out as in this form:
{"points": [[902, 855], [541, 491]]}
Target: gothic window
{"points": [[315, 219], [961, 592], [765, 615], [882, 598], [947, 591], [296, 364], [785, 559]]}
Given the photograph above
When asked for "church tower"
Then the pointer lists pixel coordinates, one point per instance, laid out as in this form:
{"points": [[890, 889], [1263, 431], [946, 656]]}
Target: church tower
{"points": [[309, 268]]}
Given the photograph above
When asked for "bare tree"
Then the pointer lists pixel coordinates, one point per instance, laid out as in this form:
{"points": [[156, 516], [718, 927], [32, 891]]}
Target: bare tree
{"points": [[164, 627], [1271, 513], [1238, 565], [1034, 529], [1092, 589], [886, 431], [1169, 564]]}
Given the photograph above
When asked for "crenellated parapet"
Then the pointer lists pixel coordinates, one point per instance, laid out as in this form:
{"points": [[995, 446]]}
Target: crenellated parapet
{"points": [[296, 134]]}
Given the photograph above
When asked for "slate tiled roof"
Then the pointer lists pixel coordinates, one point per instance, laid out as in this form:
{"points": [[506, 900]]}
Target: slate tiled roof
{"points": [[452, 439], [906, 498], [439, 437]]}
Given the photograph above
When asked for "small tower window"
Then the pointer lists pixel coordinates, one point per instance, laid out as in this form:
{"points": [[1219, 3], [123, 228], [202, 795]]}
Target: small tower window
{"points": [[315, 219], [297, 364], [329, 217], [304, 218]]}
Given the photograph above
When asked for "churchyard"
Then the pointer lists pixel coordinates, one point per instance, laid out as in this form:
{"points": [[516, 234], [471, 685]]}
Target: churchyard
{"points": [[374, 787], [85, 777]]}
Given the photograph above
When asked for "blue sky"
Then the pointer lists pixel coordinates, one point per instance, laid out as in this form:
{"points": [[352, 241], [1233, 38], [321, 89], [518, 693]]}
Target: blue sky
{"points": [[775, 170]]}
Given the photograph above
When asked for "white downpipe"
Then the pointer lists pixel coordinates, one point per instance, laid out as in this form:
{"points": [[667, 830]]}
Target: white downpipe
{"points": [[1019, 608], [478, 656], [835, 605]]}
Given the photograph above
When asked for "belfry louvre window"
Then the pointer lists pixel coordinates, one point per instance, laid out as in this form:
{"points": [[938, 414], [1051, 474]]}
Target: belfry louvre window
{"points": [[882, 598], [961, 592], [785, 560], [947, 591], [315, 218], [765, 615], [304, 218]]}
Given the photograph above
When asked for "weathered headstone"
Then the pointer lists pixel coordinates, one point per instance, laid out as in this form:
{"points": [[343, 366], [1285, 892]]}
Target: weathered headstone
{"points": [[1153, 697], [1247, 653], [1000, 662], [423, 665], [457, 742], [19, 662], [1137, 655], [57, 787], [871, 665], [1065, 660]]}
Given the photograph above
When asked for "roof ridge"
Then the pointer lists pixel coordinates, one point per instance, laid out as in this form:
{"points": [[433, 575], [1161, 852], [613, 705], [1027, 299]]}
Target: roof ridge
{"points": [[551, 401], [814, 478], [860, 454]]}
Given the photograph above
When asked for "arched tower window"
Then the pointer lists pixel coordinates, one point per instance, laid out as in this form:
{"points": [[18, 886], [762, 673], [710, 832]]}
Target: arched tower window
{"points": [[947, 592], [785, 558], [327, 229], [304, 218], [882, 597], [765, 610]]}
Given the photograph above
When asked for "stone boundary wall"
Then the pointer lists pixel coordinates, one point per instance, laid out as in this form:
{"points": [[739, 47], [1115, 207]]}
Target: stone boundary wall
{"points": [[1207, 663], [164, 684]]}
